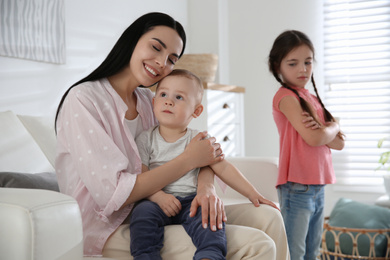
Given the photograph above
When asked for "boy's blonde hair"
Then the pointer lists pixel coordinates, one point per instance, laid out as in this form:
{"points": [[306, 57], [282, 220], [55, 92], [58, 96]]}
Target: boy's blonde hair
{"points": [[188, 74]]}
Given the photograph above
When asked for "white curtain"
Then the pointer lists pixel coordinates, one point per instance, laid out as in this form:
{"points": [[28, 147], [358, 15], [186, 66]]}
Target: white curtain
{"points": [[357, 77]]}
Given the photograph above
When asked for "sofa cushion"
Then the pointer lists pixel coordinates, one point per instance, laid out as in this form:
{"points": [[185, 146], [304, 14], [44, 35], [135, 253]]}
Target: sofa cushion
{"points": [[352, 214], [41, 128], [44, 180], [19, 151]]}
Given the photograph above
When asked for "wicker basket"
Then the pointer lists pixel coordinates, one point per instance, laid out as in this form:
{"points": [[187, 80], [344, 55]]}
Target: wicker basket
{"points": [[354, 234], [203, 65]]}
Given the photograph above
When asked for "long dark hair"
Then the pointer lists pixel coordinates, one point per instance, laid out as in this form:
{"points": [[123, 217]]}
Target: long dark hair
{"points": [[283, 44], [120, 55]]}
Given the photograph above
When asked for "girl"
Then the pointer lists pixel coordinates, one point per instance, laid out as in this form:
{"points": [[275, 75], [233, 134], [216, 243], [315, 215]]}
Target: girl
{"points": [[307, 133], [98, 162]]}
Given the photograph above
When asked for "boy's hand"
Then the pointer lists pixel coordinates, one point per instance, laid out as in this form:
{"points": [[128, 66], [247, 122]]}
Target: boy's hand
{"points": [[256, 198], [167, 202]]}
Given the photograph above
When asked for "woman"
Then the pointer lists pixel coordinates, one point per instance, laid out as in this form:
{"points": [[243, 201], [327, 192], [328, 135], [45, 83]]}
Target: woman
{"points": [[97, 159]]}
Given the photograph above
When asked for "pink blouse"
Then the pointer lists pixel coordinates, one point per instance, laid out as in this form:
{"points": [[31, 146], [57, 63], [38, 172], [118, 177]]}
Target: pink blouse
{"points": [[298, 161], [97, 159]]}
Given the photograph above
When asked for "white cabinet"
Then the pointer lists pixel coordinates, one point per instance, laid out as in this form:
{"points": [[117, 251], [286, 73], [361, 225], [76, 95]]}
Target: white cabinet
{"points": [[223, 117]]}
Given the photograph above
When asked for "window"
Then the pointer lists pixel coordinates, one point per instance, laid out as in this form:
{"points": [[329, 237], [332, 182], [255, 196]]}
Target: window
{"points": [[357, 78]]}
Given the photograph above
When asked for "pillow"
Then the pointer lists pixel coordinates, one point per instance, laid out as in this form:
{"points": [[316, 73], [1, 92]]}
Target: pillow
{"points": [[44, 180], [42, 130], [352, 214], [19, 152]]}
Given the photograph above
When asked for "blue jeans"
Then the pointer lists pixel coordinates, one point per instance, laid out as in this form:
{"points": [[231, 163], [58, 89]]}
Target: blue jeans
{"points": [[147, 223], [302, 208]]}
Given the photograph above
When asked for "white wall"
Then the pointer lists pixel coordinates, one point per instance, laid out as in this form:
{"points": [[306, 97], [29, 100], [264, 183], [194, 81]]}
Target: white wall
{"points": [[92, 28], [240, 32], [252, 31], [253, 27]]}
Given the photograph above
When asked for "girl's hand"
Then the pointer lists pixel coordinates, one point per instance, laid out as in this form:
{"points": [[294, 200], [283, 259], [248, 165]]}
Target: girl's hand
{"points": [[203, 152], [167, 202], [338, 142], [212, 207], [256, 198], [309, 121]]}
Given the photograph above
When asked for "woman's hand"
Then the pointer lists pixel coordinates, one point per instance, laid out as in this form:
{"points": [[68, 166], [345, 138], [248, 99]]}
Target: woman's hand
{"points": [[167, 202], [203, 152], [212, 207]]}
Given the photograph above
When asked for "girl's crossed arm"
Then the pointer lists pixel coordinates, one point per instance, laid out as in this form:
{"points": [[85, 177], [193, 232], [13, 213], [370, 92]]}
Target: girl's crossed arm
{"points": [[323, 134], [337, 143]]}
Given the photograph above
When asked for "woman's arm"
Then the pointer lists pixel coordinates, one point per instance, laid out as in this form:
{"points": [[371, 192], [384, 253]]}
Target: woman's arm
{"points": [[324, 135], [167, 202], [207, 198], [198, 153]]}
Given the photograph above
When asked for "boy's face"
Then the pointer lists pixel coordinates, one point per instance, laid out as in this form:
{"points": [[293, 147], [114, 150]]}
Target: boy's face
{"points": [[177, 101]]}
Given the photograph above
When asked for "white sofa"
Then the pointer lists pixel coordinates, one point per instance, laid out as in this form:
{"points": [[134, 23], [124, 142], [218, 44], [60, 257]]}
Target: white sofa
{"points": [[39, 224]]}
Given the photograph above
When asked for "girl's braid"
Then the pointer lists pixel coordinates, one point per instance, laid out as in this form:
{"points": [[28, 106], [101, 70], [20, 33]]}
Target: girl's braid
{"points": [[328, 116], [305, 106]]}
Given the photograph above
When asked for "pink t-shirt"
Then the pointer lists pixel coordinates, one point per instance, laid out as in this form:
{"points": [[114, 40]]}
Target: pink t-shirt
{"points": [[298, 161], [97, 159]]}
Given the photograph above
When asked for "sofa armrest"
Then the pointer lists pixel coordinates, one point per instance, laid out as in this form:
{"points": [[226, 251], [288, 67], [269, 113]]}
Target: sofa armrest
{"points": [[39, 224], [262, 172]]}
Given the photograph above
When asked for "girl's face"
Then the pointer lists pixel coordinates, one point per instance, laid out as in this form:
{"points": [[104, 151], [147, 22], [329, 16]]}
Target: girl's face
{"points": [[296, 68], [155, 54]]}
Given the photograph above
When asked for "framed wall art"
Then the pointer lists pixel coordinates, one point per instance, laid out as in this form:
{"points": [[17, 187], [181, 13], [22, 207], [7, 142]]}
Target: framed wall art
{"points": [[33, 29]]}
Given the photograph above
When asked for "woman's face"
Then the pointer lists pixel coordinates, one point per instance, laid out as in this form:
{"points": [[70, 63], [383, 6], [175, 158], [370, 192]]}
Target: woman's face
{"points": [[155, 54]]}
